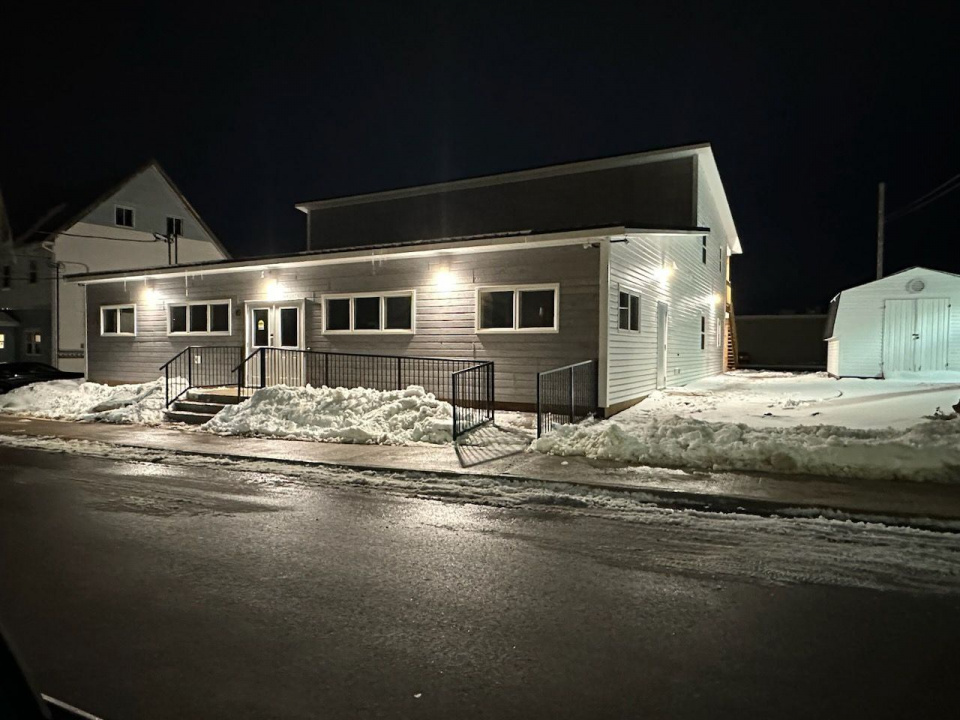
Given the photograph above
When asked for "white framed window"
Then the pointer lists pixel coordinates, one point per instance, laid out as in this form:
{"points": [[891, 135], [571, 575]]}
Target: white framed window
{"points": [[703, 332], [628, 310], [703, 249], [123, 216], [32, 342], [518, 308], [118, 320], [719, 324], [389, 312], [200, 317], [3, 340], [174, 226]]}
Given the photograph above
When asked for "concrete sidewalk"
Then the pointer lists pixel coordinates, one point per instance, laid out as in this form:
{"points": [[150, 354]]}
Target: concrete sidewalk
{"points": [[752, 492]]}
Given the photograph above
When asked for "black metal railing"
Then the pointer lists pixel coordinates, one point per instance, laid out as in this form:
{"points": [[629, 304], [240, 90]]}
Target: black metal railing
{"points": [[566, 395], [471, 390], [287, 366], [199, 367]]}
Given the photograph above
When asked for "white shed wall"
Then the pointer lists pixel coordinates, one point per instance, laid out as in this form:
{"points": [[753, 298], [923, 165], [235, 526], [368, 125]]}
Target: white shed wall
{"points": [[859, 325]]}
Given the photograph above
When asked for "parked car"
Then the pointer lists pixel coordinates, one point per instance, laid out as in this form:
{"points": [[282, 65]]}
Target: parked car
{"points": [[18, 374]]}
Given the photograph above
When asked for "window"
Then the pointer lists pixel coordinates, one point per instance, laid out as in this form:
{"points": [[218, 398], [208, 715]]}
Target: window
{"points": [[386, 312], [703, 249], [721, 258], [289, 327], [123, 216], [209, 317], [3, 341], [703, 332], [629, 307], [6, 277], [530, 309], [337, 316], [719, 324], [32, 340], [174, 226], [33, 272], [118, 320]]}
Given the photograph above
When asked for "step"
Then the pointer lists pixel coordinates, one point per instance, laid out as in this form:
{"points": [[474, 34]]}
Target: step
{"points": [[191, 418], [207, 408], [202, 397]]}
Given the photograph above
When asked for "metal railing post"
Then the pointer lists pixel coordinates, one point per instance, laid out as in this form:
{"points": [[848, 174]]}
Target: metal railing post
{"points": [[453, 395], [572, 412], [166, 386], [263, 368], [539, 410], [399, 385]]}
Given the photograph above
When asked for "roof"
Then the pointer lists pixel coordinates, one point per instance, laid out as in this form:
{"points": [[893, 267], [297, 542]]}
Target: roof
{"points": [[702, 151], [7, 321], [366, 252], [73, 209], [894, 274]]}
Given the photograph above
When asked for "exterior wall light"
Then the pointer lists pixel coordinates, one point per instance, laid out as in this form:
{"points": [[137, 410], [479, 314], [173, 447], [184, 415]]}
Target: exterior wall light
{"points": [[273, 290], [444, 281]]}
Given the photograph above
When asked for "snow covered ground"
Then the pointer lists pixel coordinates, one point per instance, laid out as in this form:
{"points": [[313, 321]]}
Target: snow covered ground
{"points": [[786, 423], [79, 400], [348, 415]]}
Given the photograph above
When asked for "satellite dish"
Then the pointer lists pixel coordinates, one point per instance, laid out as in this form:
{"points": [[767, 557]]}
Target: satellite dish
{"points": [[915, 285]]}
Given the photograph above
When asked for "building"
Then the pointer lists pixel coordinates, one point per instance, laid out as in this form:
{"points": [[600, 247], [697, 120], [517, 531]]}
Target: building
{"points": [[900, 325], [621, 260], [789, 342], [124, 228]]}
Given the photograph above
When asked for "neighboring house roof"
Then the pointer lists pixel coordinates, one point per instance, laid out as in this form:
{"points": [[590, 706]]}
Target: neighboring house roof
{"points": [[365, 252], [71, 210], [7, 321], [702, 151]]}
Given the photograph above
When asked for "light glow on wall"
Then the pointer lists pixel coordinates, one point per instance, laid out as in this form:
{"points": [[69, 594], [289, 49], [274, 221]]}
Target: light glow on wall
{"points": [[664, 272], [150, 295], [444, 281], [274, 291]]}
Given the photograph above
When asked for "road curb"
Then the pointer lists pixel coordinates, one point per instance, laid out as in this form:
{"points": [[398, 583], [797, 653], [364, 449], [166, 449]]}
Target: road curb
{"points": [[673, 499]]}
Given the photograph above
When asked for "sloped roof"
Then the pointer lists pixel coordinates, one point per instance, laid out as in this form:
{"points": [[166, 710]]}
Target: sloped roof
{"points": [[73, 209]]}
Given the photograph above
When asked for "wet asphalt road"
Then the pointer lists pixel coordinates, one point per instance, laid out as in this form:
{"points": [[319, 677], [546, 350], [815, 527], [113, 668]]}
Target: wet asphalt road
{"points": [[139, 590]]}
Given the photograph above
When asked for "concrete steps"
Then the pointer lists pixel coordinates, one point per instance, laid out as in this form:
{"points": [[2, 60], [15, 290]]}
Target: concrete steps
{"points": [[198, 407]]}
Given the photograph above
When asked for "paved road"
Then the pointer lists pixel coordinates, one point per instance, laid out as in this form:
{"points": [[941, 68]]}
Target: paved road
{"points": [[143, 590]]}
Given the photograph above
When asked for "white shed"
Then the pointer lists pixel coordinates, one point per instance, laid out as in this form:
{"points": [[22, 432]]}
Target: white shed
{"points": [[901, 325]]}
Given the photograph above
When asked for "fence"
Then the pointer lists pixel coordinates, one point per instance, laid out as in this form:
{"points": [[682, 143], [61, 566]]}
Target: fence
{"points": [[467, 384], [566, 395], [472, 391], [200, 367]]}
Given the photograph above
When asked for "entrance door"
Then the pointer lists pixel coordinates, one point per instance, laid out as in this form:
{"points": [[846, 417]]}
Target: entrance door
{"points": [[915, 334], [662, 313], [278, 328]]}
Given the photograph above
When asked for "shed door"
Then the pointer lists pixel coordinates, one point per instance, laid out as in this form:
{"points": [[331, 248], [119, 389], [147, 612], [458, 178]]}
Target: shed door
{"points": [[915, 335]]}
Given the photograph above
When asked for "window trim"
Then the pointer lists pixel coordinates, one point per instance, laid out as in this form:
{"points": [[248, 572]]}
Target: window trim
{"points": [[516, 289], [133, 216], [637, 294], [411, 293], [703, 249], [200, 333], [125, 306], [703, 331], [27, 344]]}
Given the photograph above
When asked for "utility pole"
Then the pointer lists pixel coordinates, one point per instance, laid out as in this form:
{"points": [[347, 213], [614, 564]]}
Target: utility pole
{"points": [[881, 200]]}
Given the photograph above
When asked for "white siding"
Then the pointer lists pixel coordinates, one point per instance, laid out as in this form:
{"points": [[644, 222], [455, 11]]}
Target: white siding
{"points": [[859, 324], [690, 293], [833, 357]]}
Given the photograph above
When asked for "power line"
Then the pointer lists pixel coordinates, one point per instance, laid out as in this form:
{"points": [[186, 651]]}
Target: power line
{"points": [[96, 237], [921, 202]]}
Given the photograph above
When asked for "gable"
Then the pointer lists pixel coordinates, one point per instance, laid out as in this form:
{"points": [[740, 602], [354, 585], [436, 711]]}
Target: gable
{"points": [[153, 200]]}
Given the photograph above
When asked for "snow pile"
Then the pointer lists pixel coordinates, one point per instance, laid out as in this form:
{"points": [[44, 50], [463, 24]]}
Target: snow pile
{"points": [[79, 400], [927, 451], [351, 415]]}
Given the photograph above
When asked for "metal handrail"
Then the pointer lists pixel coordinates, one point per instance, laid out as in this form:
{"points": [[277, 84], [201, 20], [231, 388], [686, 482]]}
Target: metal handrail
{"points": [[576, 400]]}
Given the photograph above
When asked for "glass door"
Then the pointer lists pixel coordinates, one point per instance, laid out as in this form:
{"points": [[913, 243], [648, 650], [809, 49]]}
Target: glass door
{"points": [[278, 328]]}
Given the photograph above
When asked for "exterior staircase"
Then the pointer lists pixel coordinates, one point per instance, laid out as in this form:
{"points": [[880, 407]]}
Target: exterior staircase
{"points": [[196, 407]]}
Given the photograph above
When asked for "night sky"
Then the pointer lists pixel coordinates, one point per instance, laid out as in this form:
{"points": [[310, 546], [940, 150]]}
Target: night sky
{"points": [[252, 112]]}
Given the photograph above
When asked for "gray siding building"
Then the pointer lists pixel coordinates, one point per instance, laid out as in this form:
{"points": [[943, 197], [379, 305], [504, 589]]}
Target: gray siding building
{"points": [[606, 260]]}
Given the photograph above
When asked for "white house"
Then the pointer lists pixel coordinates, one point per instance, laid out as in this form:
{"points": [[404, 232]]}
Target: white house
{"points": [[142, 221], [622, 262], [901, 325]]}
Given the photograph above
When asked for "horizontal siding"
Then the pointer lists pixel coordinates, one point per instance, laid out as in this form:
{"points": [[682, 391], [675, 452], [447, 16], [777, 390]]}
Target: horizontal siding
{"points": [[689, 293], [859, 324], [444, 320]]}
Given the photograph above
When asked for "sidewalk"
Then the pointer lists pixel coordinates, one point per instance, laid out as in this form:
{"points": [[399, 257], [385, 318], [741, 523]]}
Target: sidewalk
{"points": [[756, 493]]}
